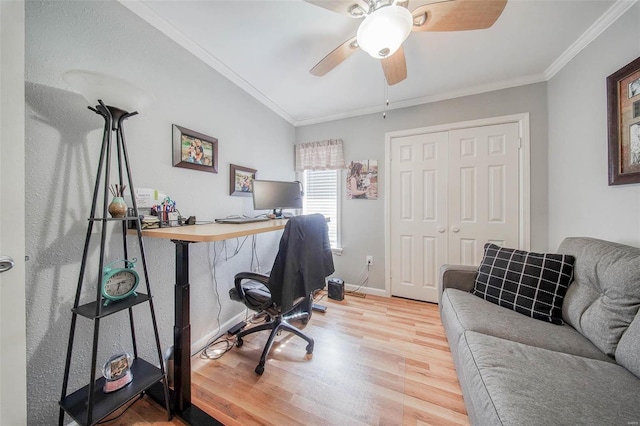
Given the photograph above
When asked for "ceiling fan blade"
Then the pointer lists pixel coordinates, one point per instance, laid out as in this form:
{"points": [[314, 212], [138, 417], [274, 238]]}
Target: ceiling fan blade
{"points": [[335, 58], [352, 8], [395, 67], [457, 15]]}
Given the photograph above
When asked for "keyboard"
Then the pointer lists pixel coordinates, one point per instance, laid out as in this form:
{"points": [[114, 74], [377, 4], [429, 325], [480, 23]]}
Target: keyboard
{"points": [[242, 219]]}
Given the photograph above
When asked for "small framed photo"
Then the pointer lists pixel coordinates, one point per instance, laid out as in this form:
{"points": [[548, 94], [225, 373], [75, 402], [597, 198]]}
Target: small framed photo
{"points": [[623, 95], [194, 150], [241, 180]]}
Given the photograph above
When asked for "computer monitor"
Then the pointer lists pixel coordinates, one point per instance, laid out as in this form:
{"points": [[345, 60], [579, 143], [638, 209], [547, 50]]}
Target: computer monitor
{"points": [[276, 195]]}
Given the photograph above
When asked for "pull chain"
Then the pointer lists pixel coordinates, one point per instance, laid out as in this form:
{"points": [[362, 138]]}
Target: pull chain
{"points": [[386, 99]]}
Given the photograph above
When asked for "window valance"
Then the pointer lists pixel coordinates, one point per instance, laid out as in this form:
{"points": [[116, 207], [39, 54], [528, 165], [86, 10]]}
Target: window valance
{"points": [[321, 155]]}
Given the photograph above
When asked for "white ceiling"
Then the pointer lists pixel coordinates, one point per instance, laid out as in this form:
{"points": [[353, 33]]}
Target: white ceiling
{"points": [[268, 47]]}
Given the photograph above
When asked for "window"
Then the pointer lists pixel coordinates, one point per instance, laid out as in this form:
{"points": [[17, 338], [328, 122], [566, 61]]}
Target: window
{"points": [[321, 195]]}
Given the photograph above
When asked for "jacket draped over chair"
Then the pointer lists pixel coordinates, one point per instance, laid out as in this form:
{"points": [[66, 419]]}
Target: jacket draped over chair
{"points": [[303, 260]]}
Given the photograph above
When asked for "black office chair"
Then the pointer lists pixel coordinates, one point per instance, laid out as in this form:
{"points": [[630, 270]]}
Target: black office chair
{"points": [[303, 262]]}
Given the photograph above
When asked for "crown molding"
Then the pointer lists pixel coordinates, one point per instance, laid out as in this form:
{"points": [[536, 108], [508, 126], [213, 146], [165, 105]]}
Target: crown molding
{"points": [[155, 20], [610, 16], [598, 27]]}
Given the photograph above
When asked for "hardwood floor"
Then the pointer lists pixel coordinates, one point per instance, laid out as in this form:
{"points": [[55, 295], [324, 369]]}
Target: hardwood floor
{"points": [[376, 361]]}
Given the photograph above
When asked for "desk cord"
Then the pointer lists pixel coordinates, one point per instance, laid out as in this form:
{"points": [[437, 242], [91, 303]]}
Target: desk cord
{"points": [[212, 344], [254, 253], [222, 340]]}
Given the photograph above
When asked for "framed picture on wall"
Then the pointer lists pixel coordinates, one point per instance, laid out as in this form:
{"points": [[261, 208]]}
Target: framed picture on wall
{"points": [[241, 180], [362, 180], [194, 150], [623, 120]]}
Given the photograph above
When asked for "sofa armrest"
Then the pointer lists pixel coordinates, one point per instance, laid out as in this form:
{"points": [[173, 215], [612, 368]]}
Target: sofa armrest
{"points": [[460, 277]]}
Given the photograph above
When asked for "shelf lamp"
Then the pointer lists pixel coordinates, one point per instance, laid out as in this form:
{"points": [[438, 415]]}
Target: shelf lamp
{"points": [[383, 31], [118, 95], [117, 100]]}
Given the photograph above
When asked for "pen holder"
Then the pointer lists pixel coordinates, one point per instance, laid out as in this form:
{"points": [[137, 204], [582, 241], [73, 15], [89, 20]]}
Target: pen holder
{"points": [[168, 219]]}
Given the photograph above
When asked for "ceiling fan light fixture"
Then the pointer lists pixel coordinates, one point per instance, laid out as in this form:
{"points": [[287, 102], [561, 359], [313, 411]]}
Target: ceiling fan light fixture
{"points": [[384, 30]]}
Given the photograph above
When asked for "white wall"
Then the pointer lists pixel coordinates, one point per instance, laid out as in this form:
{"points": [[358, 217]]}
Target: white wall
{"points": [[62, 149], [364, 138], [580, 201]]}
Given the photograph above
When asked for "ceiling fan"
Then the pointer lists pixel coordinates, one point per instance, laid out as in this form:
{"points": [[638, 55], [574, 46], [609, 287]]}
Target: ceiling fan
{"points": [[387, 24]]}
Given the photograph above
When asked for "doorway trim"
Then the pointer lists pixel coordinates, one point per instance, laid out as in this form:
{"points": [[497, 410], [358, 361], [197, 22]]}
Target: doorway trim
{"points": [[13, 330], [524, 184]]}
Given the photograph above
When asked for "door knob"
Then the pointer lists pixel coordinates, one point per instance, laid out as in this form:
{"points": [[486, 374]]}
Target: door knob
{"points": [[455, 228], [441, 229], [6, 263]]}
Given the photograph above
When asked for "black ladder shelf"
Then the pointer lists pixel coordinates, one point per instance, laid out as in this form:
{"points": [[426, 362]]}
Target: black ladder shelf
{"points": [[89, 404]]}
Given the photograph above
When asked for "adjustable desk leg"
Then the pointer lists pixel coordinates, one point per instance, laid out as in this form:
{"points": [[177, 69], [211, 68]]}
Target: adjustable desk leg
{"points": [[182, 330], [181, 396]]}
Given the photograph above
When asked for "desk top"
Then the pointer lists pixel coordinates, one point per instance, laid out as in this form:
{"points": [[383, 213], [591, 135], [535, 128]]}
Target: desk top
{"points": [[213, 231]]}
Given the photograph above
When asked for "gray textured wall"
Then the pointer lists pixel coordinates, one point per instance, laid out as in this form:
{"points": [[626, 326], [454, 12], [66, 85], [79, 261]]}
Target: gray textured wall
{"points": [[580, 201], [364, 138], [62, 148]]}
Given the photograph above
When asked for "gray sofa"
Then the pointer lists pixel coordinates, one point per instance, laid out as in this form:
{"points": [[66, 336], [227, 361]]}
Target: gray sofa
{"points": [[516, 370]]}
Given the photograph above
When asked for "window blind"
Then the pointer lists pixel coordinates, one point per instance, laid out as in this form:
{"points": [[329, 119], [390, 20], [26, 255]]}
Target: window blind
{"points": [[321, 196]]}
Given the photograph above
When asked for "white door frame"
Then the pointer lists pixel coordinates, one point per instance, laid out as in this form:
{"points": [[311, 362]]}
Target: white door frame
{"points": [[13, 370], [524, 183]]}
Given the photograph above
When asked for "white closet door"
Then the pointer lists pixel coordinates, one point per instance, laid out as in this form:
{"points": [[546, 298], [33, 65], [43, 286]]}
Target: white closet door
{"points": [[418, 214], [451, 192], [483, 190]]}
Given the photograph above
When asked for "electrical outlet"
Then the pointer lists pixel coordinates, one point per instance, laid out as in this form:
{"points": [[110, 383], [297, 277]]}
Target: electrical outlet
{"points": [[369, 260]]}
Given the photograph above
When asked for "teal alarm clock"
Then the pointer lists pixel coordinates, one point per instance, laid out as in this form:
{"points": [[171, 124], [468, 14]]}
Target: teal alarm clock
{"points": [[119, 283]]}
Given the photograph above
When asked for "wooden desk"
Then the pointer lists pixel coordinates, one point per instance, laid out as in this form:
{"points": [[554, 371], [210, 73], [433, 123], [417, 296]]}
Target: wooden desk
{"points": [[182, 236], [213, 231]]}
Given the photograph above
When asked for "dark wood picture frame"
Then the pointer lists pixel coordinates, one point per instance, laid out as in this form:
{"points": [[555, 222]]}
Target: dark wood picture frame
{"points": [[194, 150], [241, 180], [623, 91]]}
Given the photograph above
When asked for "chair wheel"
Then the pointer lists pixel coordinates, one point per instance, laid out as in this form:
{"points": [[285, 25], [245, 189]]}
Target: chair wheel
{"points": [[239, 342], [259, 370], [309, 348]]}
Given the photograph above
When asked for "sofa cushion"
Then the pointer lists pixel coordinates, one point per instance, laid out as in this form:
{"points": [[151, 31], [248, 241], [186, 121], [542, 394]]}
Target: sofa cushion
{"points": [[628, 350], [605, 295], [462, 311], [533, 284], [516, 384]]}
